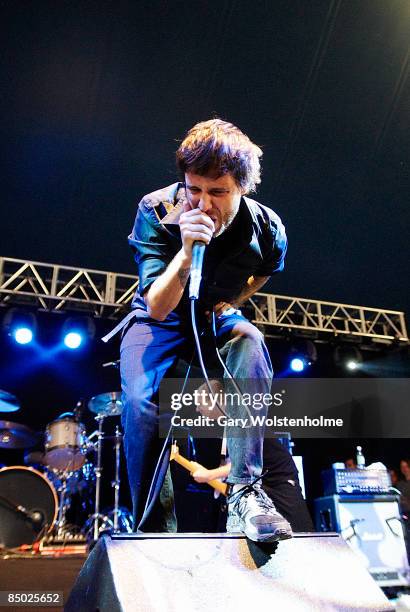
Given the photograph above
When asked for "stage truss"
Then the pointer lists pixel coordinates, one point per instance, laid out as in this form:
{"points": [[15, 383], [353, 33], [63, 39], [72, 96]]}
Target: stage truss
{"points": [[56, 288]]}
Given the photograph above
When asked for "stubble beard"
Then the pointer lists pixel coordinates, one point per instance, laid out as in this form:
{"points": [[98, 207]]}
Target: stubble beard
{"points": [[226, 223]]}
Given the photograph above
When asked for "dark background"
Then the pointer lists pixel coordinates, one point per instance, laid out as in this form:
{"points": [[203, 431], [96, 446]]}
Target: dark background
{"points": [[95, 96]]}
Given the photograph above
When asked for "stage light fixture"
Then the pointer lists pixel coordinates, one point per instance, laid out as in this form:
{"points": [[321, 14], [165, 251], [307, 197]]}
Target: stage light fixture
{"points": [[73, 340], [297, 364], [20, 325], [348, 357], [76, 331], [302, 354], [22, 335]]}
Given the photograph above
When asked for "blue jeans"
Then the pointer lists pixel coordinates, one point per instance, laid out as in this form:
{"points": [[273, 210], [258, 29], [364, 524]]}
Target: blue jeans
{"points": [[149, 350]]}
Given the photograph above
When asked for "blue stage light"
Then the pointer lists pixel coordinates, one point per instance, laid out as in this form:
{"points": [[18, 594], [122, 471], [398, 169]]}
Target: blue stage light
{"points": [[20, 325], [73, 340], [297, 364], [77, 331], [22, 335]]}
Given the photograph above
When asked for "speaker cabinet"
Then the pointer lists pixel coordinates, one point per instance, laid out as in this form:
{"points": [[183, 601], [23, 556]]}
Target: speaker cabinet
{"points": [[372, 527], [224, 573]]}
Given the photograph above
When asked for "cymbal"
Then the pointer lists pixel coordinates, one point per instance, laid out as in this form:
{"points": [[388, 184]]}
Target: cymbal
{"points": [[16, 435], [8, 402], [106, 404]]}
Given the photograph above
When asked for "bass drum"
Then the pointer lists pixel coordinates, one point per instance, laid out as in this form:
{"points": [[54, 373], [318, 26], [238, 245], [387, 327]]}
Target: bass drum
{"points": [[28, 506]]}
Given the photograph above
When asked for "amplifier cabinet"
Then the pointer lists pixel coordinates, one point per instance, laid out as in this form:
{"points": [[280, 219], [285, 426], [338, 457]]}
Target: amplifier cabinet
{"points": [[372, 526]]}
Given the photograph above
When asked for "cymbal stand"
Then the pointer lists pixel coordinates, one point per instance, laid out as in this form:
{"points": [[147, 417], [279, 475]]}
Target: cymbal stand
{"points": [[98, 473], [116, 483], [62, 509]]}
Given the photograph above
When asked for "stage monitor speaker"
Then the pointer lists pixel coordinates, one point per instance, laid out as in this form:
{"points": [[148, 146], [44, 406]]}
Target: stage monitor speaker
{"points": [[224, 573], [372, 527]]}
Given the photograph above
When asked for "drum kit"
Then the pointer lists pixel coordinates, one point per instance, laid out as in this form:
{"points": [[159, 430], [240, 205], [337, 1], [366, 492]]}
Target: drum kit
{"points": [[36, 498]]}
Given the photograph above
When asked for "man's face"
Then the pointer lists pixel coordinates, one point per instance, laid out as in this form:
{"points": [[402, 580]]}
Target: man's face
{"points": [[405, 469], [218, 198]]}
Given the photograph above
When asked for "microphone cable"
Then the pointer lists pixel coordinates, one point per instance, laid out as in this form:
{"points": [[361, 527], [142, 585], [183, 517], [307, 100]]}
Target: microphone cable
{"points": [[199, 353], [199, 249]]}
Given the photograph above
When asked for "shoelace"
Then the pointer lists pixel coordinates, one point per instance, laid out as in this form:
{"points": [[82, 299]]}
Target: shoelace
{"points": [[265, 502]]}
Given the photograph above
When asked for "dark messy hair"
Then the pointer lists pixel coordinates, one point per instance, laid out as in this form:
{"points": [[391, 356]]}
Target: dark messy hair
{"points": [[214, 148]]}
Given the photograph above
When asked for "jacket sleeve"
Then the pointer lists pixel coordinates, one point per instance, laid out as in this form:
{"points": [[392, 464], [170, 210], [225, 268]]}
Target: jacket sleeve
{"points": [[149, 242], [275, 246]]}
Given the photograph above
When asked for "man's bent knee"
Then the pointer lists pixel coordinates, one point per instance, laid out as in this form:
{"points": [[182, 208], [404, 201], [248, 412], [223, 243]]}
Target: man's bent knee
{"points": [[247, 331]]}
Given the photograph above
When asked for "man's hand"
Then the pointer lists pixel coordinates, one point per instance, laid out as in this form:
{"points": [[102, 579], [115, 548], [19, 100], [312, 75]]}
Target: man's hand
{"points": [[195, 226], [221, 307], [253, 284]]}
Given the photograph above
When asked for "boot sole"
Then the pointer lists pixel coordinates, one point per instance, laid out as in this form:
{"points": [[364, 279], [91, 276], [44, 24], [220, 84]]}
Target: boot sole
{"points": [[269, 537], [277, 537]]}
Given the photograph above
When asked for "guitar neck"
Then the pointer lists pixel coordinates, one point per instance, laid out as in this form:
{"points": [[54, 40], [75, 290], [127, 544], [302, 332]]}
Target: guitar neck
{"points": [[188, 465]]}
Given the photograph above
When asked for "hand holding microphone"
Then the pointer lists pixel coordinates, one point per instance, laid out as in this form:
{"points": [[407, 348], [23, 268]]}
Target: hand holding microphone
{"points": [[197, 229], [198, 252]]}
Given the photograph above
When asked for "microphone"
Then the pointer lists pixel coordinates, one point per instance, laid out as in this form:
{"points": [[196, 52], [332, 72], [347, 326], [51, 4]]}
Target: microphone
{"points": [[198, 251], [36, 517]]}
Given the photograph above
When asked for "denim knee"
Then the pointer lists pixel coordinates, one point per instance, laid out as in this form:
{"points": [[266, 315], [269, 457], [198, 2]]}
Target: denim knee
{"points": [[138, 404], [247, 347]]}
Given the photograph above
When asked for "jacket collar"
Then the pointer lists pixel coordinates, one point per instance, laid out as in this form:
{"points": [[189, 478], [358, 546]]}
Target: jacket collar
{"points": [[174, 204], [176, 198]]}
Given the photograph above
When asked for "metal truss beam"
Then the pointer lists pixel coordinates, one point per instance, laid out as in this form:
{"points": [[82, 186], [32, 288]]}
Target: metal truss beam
{"points": [[56, 288], [324, 318], [52, 287]]}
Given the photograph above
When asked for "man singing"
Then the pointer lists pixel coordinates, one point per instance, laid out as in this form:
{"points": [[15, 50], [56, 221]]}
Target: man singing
{"points": [[246, 244]]}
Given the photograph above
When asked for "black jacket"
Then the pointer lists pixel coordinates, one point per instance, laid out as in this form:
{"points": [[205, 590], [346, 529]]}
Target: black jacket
{"points": [[254, 245]]}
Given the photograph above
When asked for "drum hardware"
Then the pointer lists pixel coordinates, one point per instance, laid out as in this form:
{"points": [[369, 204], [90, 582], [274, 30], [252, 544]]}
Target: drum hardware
{"points": [[94, 519], [116, 483], [116, 519], [105, 405], [107, 523], [75, 493], [124, 518], [16, 435], [8, 402], [77, 482], [61, 531]]}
